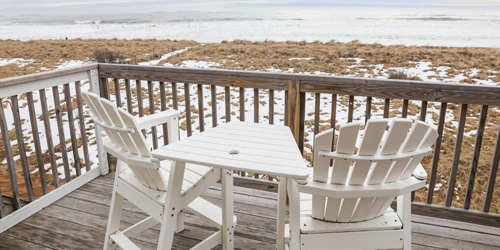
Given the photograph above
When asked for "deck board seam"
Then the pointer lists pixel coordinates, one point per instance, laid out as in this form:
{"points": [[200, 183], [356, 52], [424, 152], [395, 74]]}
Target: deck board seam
{"points": [[457, 239], [198, 226], [204, 227], [456, 228], [432, 247], [83, 225], [51, 231], [215, 188], [88, 191], [34, 243]]}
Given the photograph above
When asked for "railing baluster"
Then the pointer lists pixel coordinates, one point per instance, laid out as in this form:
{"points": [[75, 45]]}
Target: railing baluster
{"points": [[3, 213], [175, 100], [62, 139], [21, 147], [36, 142], [456, 156], [256, 105], [475, 156], [351, 108], [81, 119], [201, 115], [242, 104], [138, 86], [302, 119], [405, 109], [151, 98], [117, 92], [437, 152], [163, 104], [187, 109], [227, 102], [368, 112], [317, 111], [71, 121], [128, 93], [423, 111], [48, 136], [286, 108], [493, 174], [104, 87], [333, 116], [387, 104], [213, 92], [10, 158], [271, 106]]}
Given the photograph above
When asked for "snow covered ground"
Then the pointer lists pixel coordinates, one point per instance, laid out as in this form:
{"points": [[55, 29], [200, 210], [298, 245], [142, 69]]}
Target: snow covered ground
{"points": [[420, 69]]}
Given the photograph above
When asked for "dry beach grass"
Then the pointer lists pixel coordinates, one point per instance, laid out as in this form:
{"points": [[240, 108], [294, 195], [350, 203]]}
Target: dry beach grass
{"points": [[48, 54], [466, 65]]}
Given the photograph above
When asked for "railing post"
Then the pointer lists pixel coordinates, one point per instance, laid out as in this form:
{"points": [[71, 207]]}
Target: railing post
{"points": [[295, 110], [103, 157]]}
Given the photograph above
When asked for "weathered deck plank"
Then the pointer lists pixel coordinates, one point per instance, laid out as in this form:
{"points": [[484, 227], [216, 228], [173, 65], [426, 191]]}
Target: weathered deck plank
{"points": [[78, 221], [9, 242]]}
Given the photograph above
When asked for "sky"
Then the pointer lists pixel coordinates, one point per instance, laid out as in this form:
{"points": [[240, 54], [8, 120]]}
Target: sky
{"points": [[70, 7]]}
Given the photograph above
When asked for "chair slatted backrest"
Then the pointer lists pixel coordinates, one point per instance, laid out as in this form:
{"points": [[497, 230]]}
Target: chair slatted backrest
{"points": [[372, 164], [126, 140]]}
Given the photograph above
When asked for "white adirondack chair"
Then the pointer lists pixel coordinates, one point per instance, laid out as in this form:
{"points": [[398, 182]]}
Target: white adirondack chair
{"points": [[347, 206], [151, 185]]}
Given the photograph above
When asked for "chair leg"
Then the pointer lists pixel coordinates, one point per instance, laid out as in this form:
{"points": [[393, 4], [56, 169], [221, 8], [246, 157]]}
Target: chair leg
{"points": [[404, 212], [294, 216], [115, 213], [179, 226], [172, 202], [280, 240]]}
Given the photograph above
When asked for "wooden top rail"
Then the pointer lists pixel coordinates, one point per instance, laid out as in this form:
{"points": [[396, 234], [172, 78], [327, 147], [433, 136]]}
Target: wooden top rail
{"points": [[236, 78], [22, 84], [382, 88], [403, 89], [46, 75]]}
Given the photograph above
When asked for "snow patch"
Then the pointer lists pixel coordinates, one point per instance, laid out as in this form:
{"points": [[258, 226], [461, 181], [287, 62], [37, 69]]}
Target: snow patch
{"points": [[164, 57], [21, 62], [301, 58]]}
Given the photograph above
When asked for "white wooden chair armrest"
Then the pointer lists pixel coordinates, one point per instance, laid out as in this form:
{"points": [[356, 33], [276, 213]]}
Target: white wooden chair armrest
{"points": [[157, 118], [420, 173], [396, 188]]}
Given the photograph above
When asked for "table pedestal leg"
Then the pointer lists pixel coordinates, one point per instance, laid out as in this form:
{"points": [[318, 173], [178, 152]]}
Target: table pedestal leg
{"points": [[227, 210], [280, 240]]}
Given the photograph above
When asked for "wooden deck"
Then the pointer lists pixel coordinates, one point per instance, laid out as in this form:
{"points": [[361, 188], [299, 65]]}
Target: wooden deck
{"points": [[78, 221]]}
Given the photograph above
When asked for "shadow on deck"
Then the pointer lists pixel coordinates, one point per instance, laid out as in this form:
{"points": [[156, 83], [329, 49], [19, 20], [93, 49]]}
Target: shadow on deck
{"points": [[78, 221]]}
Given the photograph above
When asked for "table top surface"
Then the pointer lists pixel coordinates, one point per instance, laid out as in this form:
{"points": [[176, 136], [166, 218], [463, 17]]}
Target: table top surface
{"points": [[242, 146]]}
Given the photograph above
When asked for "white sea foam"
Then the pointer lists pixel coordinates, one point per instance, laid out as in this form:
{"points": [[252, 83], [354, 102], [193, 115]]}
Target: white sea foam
{"points": [[402, 26]]}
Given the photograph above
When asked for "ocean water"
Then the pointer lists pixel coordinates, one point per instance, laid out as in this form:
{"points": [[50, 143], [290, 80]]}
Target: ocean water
{"points": [[478, 28]]}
